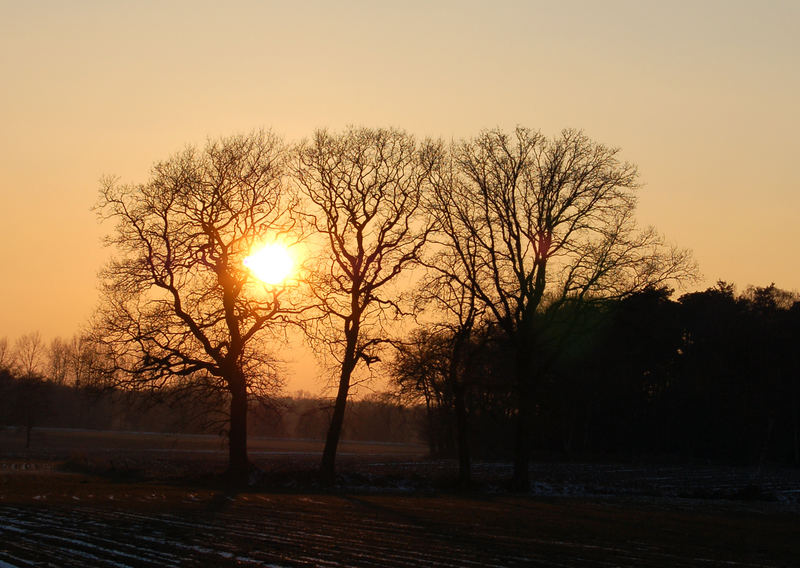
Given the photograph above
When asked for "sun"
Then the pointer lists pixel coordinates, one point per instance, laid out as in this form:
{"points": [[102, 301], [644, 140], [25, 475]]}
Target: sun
{"points": [[272, 263]]}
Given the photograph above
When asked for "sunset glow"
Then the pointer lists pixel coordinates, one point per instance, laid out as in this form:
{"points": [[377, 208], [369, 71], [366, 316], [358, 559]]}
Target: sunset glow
{"points": [[700, 96], [271, 264]]}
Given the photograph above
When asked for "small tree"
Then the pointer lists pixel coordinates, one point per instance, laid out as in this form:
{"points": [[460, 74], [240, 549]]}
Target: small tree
{"points": [[58, 360], [5, 355], [459, 313], [28, 353], [24, 385], [84, 363], [420, 373], [179, 306], [366, 190]]}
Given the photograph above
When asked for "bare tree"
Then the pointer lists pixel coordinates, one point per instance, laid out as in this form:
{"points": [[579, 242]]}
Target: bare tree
{"points": [[27, 392], [366, 188], [85, 367], [179, 306], [28, 353], [458, 312], [419, 372], [538, 223], [58, 360], [5, 354]]}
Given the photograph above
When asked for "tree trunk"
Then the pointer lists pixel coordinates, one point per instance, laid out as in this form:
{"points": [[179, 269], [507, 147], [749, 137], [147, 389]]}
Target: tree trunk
{"points": [[462, 437], [522, 441], [238, 463], [796, 421], [328, 466], [432, 442], [522, 447], [796, 448], [456, 376]]}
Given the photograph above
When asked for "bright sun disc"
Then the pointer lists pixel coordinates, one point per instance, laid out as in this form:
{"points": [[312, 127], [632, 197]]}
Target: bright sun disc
{"points": [[271, 264]]}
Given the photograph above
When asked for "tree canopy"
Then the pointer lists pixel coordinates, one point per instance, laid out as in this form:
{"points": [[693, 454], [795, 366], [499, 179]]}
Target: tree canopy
{"points": [[179, 306], [513, 232], [366, 189], [530, 224]]}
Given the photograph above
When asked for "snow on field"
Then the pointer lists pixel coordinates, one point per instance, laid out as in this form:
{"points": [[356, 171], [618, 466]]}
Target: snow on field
{"points": [[391, 508], [176, 527], [81, 537], [777, 484]]}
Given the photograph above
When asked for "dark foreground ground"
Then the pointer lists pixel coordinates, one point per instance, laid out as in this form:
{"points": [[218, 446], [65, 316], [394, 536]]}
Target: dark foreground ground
{"points": [[100, 499]]}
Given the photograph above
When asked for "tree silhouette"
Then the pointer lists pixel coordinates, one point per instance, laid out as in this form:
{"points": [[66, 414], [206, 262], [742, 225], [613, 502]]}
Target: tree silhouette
{"points": [[739, 374], [29, 351], [537, 224], [6, 358], [365, 188], [179, 307], [420, 373]]}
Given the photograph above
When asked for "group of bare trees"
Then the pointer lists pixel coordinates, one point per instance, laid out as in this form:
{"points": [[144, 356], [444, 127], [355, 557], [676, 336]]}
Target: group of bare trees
{"points": [[28, 362], [528, 227], [502, 228], [62, 361]]}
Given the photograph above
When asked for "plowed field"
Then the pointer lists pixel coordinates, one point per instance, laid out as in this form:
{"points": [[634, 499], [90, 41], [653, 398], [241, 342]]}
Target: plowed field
{"points": [[49, 517]]}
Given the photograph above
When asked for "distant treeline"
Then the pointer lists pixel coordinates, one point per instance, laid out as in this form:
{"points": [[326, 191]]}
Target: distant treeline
{"points": [[64, 384], [713, 375], [33, 401]]}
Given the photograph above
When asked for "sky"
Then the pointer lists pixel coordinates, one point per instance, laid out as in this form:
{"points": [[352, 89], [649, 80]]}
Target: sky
{"points": [[701, 95]]}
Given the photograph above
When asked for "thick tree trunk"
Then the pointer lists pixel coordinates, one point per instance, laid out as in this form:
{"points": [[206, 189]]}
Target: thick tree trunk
{"points": [[328, 466], [522, 447], [462, 436], [238, 463], [456, 377], [429, 416], [522, 441]]}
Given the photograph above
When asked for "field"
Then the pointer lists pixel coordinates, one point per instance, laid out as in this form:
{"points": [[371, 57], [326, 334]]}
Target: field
{"points": [[80, 498]]}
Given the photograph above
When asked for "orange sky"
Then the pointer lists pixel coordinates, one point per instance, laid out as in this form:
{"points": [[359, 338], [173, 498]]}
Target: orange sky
{"points": [[703, 96]]}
